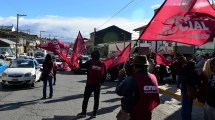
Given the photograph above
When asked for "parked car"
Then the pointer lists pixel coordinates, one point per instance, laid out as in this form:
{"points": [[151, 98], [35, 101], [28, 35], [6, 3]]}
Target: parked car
{"points": [[5, 53], [82, 60], [21, 71], [10, 57], [3, 66], [22, 55], [40, 60], [59, 63]]}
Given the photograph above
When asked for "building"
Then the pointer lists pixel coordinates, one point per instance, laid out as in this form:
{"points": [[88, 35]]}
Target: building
{"points": [[100, 39]]}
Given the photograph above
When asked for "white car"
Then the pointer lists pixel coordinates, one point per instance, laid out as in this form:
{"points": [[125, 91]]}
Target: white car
{"points": [[59, 63], [10, 57], [22, 55], [21, 71]]}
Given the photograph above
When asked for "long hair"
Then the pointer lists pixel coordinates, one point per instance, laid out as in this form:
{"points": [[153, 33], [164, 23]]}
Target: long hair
{"points": [[206, 68], [49, 61]]}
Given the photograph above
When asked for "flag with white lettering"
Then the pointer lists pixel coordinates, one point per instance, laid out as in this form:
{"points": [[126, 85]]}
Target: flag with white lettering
{"points": [[78, 49], [186, 21]]}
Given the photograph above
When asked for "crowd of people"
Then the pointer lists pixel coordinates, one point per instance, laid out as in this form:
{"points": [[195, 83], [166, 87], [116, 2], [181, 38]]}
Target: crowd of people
{"points": [[138, 84], [194, 77]]}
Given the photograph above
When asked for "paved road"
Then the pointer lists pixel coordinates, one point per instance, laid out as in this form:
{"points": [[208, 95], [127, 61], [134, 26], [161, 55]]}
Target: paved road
{"points": [[24, 103]]}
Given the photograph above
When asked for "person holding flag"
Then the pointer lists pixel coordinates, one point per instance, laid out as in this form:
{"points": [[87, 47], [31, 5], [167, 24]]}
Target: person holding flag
{"points": [[96, 74], [140, 91]]}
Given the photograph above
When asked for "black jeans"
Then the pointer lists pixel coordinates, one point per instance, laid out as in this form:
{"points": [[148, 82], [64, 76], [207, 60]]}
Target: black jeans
{"points": [[87, 93]]}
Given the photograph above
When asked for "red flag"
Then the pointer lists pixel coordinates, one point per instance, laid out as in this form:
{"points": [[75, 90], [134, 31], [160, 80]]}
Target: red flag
{"points": [[56, 47], [64, 48], [185, 21], [78, 49], [118, 58], [161, 60]]}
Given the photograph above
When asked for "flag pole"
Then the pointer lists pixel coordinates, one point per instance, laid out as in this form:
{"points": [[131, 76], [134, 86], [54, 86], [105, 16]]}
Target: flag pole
{"points": [[132, 49]]}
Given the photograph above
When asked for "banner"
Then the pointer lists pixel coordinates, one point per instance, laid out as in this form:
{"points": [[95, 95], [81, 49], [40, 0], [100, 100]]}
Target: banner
{"points": [[78, 49], [186, 21], [161, 60], [118, 58], [57, 47]]}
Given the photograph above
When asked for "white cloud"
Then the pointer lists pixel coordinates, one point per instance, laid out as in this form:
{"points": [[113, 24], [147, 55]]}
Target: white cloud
{"points": [[155, 6], [67, 28]]}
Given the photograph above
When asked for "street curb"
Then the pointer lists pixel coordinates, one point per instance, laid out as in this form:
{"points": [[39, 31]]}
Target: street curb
{"points": [[178, 97]]}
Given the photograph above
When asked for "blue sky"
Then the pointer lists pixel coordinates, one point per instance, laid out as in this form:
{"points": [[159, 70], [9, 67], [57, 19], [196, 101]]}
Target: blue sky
{"points": [[64, 18]]}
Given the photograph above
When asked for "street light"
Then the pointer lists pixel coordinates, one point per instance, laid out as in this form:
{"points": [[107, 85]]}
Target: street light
{"points": [[17, 27]]}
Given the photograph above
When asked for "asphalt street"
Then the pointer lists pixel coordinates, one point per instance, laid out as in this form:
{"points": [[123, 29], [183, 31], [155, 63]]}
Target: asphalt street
{"points": [[21, 103]]}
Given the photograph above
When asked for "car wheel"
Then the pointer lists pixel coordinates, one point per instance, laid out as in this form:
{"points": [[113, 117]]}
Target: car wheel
{"points": [[32, 85], [108, 76], [3, 85]]}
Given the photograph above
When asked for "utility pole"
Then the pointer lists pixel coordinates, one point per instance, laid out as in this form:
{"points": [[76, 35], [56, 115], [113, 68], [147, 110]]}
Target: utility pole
{"points": [[17, 30], [124, 39], [94, 38]]}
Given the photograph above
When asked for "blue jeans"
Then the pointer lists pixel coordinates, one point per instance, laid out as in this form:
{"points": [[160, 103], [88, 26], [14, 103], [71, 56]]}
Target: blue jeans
{"points": [[187, 105], [48, 79], [178, 81]]}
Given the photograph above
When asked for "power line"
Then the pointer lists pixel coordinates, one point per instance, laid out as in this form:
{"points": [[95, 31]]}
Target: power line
{"points": [[116, 13]]}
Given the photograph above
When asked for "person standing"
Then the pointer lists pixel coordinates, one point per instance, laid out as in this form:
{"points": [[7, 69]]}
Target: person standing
{"points": [[180, 63], [54, 70], [47, 74], [140, 91], [190, 83], [209, 108], [96, 74]]}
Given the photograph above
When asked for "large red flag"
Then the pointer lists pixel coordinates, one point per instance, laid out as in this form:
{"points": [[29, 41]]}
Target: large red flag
{"points": [[64, 48], [56, 47], [78, 49], [161, 60], [185, 21], [118, 59]]}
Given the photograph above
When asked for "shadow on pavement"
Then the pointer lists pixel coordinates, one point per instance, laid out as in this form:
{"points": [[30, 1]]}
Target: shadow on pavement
{"points": [[67, 98], [174, 116], [56, 117], [16, 105], [101, 111], [105, 110]]}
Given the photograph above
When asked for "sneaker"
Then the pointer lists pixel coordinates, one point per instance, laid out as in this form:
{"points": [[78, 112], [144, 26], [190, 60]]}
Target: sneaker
{"points": [[94, 115], [82, 114], [49, 97], [43, 98]]}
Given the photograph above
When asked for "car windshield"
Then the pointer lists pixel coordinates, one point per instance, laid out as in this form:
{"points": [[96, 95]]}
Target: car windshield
{"points": [[85, 58], [21, 64], [40, 61], [58, 60]]}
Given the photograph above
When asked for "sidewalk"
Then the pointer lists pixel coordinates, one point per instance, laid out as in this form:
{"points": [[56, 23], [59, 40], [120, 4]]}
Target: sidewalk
{"points": [[171, 90]]}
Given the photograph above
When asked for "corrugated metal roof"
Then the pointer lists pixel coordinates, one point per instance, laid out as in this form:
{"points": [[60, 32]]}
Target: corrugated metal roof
{"points": [[7, 41]]}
